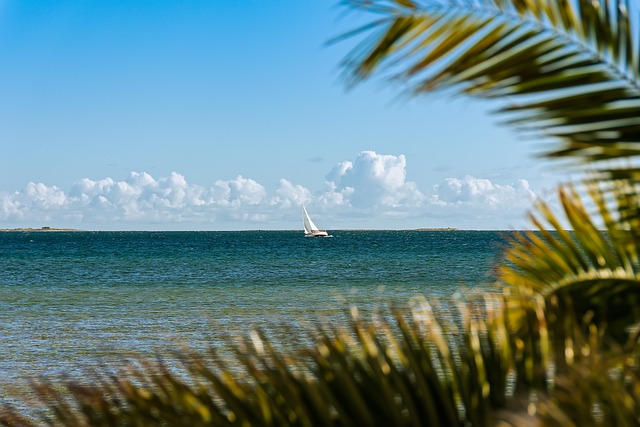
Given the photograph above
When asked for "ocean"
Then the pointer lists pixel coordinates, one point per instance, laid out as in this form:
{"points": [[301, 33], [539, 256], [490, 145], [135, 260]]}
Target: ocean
{"points": [[73, 300]]}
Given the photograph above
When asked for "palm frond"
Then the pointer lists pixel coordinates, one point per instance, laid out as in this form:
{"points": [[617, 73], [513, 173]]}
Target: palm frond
{"points": [[603, 389], [594, 266], [568, 69]]}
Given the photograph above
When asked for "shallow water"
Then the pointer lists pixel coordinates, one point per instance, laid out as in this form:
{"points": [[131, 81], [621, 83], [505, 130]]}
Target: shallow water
{"points": [[71, 300]]}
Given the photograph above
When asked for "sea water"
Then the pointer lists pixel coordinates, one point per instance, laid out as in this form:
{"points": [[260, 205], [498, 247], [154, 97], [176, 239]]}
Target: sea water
{"points": [[72, 300]]}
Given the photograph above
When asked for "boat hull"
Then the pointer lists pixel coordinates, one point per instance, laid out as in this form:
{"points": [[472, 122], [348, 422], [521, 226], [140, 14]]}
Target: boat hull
{"points": [[317, 233]]}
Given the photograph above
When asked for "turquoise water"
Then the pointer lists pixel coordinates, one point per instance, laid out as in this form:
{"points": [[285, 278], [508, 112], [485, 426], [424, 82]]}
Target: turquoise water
{"points": [[72, 300]]}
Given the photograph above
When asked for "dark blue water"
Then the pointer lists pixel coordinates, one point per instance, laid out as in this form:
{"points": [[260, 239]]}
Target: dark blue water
{"points": [[69, 299]]}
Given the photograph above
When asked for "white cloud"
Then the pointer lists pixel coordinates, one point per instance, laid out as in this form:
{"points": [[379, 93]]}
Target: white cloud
{"points": [[36, 200], [238, 192], [373, 180], [136, 197], [368, 192], [482, 193], [289, 194]]}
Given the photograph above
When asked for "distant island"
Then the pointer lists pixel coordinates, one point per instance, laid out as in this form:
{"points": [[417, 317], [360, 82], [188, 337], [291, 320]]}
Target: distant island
{"points": [[41, 229], [438, 229]]}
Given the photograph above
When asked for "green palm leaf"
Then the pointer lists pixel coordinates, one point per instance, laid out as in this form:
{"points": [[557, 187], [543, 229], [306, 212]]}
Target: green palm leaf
{"points": [[593, 268], [569, 69]]}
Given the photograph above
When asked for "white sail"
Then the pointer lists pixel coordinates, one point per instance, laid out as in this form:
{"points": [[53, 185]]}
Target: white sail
{"points": [[308, 224], [310, 229]]}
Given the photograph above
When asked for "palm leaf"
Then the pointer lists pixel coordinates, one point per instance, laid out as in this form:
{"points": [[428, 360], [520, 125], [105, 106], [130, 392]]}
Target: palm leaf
{"points": [[570, 69], [599, 390], [594, 268]]}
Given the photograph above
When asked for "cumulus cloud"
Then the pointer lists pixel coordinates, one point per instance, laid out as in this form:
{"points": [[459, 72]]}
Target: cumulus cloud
{"points": [[372, 187], [479, 192], [237, 192], [138, 198], [35, 200], [373, 180], [289, 194]]}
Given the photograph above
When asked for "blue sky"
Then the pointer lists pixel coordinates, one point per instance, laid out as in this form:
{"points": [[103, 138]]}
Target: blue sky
{"points": [[226, 115]]}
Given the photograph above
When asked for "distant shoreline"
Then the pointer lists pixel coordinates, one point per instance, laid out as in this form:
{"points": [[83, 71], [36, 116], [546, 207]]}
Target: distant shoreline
{"points": [[41, 229], [54, 229]]}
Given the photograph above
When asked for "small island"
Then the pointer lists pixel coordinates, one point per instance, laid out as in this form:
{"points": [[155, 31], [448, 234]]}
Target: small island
{"points": [[438, 229], [38, 230]]}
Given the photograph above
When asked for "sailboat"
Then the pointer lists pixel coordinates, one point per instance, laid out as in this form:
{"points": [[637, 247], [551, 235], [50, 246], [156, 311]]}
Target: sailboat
{"points": [[310, 229]]}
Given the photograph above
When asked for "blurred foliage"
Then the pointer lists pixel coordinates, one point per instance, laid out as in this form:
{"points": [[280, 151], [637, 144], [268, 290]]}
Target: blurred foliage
{"points": [[563, 69]]}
